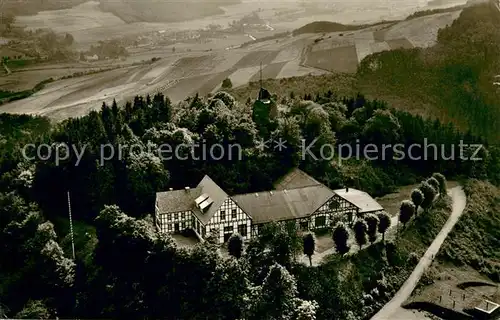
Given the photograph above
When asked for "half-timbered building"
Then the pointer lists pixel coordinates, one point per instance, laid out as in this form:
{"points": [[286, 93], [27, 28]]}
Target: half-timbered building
{"points": [[297, 197]]}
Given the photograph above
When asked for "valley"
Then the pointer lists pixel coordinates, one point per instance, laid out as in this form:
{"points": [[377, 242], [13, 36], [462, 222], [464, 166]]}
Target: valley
{"points": [[198, 65]]}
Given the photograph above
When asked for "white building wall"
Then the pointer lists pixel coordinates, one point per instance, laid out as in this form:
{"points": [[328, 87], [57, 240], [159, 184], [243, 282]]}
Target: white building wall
{"points": [[230, 219], [174, 221]]}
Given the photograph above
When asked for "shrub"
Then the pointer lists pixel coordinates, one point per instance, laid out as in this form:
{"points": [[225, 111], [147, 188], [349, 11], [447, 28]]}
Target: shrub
{"points": [[227, 84]]}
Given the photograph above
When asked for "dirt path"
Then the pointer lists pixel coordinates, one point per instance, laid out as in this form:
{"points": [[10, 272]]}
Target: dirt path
{"points": [[393, 307]]}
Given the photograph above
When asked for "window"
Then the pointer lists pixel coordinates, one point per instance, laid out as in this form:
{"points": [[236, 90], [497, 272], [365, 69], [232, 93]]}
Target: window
{"points": [[242, 229], [169, 216], [320, 221], [183, 224], [223, 215], [304, 225], [334, 204], [183, 215], [228, 229], [233, 214], [169, 227], [176, 216]]}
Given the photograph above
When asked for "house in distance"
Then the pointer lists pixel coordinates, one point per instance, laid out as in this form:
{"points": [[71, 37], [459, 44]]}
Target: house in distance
{"points": [[297, 197]]}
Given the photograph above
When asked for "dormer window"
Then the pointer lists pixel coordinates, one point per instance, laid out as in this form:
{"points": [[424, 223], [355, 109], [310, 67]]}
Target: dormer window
{"points": [[203, 202], [233, 214]]}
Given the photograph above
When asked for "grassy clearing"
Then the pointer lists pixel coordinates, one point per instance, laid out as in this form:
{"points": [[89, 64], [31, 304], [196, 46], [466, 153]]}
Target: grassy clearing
{"points": [[475, 239], [9, 96], [20, 63]]}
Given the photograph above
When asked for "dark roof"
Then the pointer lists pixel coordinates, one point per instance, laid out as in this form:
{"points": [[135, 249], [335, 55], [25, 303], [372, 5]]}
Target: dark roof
{"points": [[176, 200], [264, 94], [184, 200], [283, 204], [296, 179], [360, 199], [208, 186]]}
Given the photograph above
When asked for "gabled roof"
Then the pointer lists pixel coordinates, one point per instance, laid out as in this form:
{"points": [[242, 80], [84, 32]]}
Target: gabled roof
{"points": [[283, 204], [296, 179], [184, 200], [208, 186], [360, 199], [177, 200]]}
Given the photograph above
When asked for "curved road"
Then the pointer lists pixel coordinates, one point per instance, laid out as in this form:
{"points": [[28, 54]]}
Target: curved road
{"points": [[393, 307]]}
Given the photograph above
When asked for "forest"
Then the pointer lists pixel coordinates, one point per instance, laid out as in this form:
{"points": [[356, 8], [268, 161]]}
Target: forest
{"points": [[113, 207]]}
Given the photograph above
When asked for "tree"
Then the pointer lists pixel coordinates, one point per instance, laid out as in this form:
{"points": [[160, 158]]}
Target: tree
{"points": [[283, 241], [406, 211], [382, 127], [306, 310], [442, 182], [213, 236], [235, 245], [372, 224], [417, 197], [309, 245], [34, 309], [227, 84], [429, 195], [340, 236], [360, 230], [434, 183], [68, 39], [278, 296], [384, 223]]}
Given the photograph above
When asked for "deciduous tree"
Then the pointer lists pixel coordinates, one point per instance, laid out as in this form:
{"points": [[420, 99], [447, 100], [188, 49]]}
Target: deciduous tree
{"points": [[442, 182], [417, 197], [372, 224], [235, 245], [406, 211], [429, 195], [360, 229], [384, 223], [340, 237], [309, 245]]}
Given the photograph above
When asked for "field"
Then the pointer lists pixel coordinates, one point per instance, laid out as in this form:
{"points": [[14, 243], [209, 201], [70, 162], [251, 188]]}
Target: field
{"points": [[194, 67]]}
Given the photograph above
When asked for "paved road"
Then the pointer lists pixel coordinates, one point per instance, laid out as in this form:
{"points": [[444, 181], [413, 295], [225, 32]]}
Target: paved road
{"points": [[392, 307]]}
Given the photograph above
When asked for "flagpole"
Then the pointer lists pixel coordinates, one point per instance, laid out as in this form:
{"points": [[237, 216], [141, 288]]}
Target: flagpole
{"points": [[71, 227]]}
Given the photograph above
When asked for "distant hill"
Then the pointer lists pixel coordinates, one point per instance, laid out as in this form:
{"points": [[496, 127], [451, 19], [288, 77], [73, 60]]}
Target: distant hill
{"points": [[127, 10], [164, 11], [328, 26], [32, 7]]}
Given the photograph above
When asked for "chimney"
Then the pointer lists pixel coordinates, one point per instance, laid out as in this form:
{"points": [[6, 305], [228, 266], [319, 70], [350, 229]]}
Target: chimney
{"points": [[346, 189], [186, 188]]}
